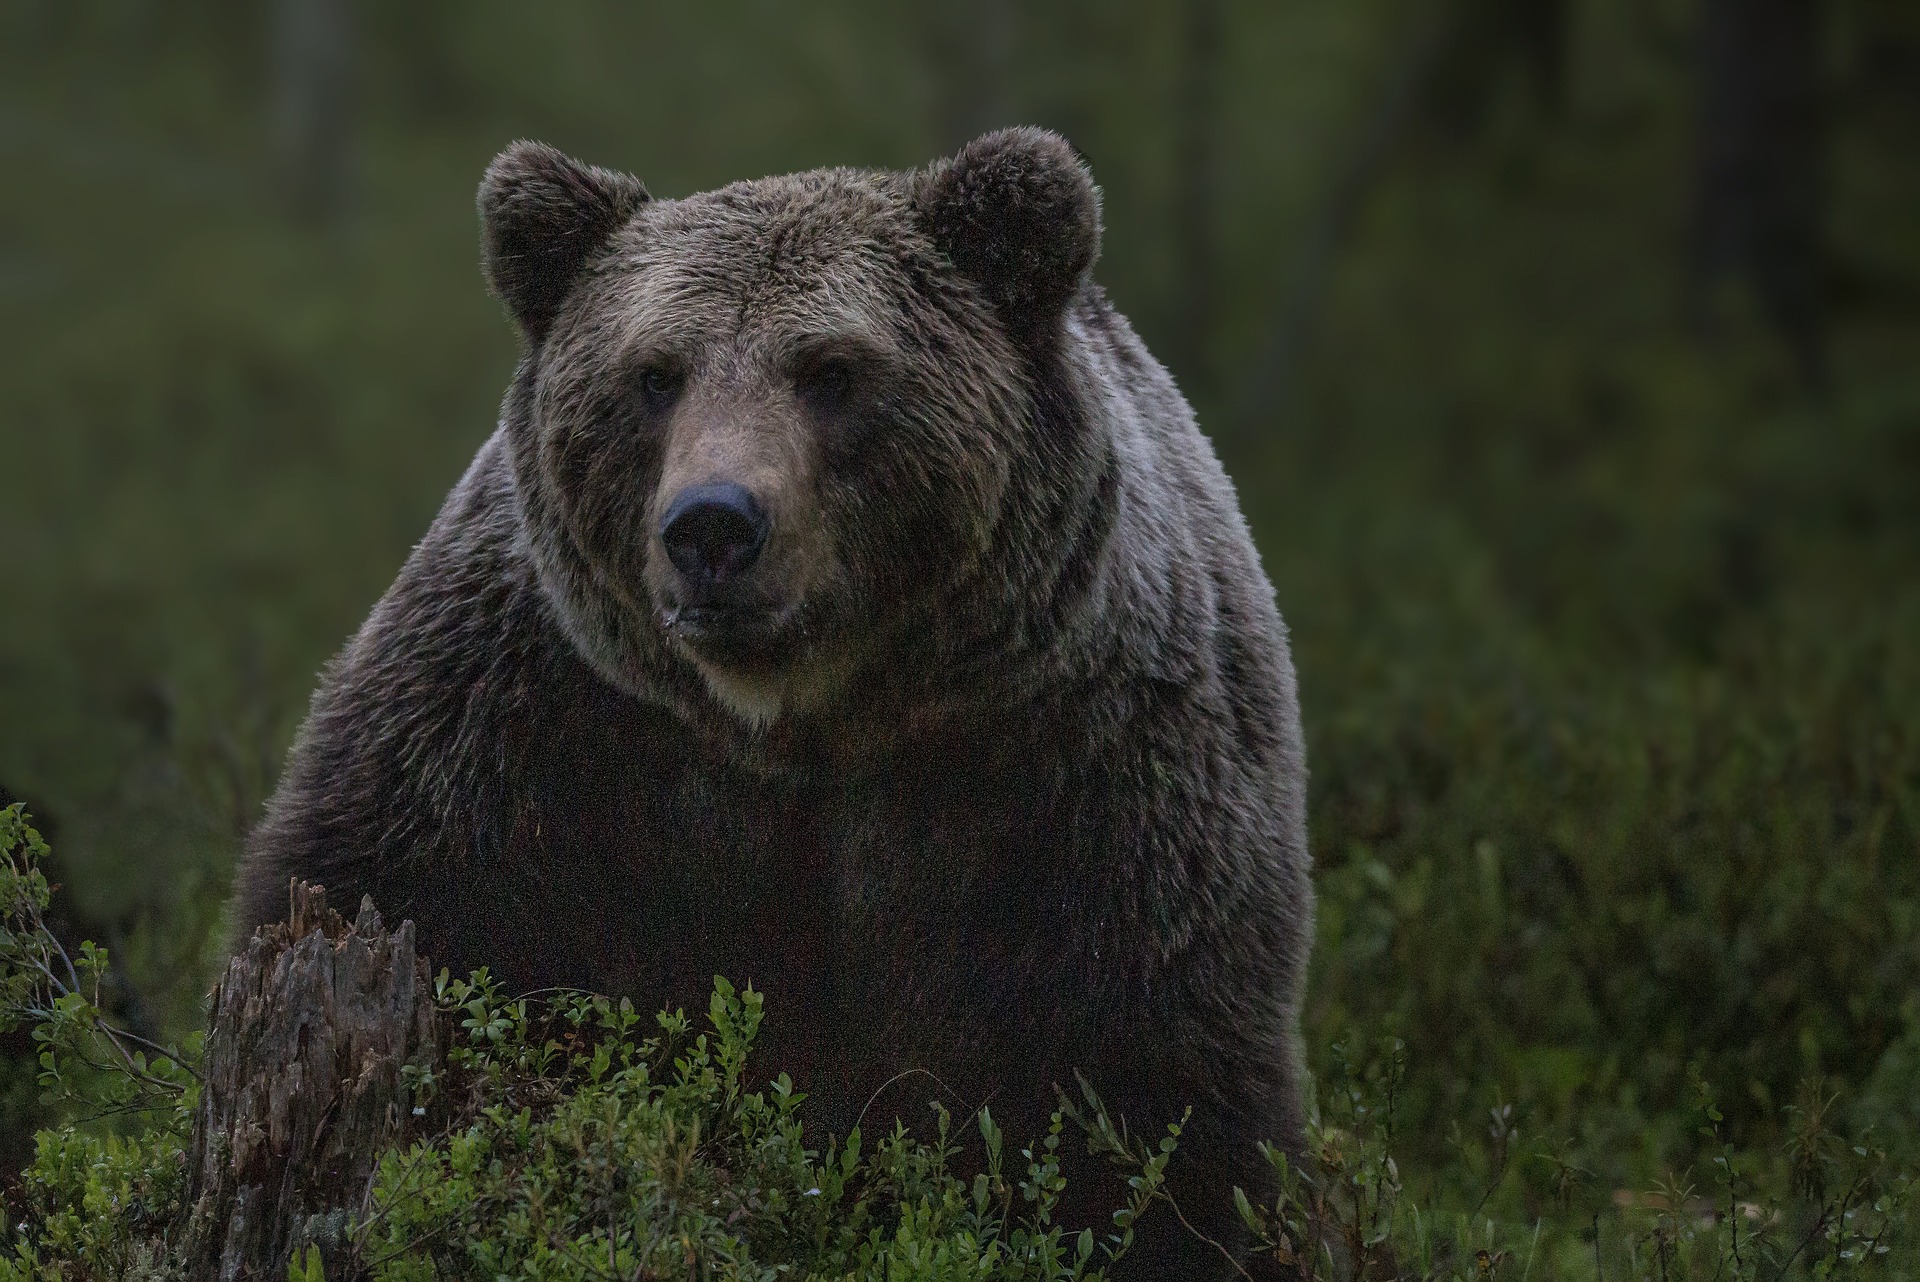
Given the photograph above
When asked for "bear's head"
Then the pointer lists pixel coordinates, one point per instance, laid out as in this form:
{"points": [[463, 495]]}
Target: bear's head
{"points": [[766, 436]]}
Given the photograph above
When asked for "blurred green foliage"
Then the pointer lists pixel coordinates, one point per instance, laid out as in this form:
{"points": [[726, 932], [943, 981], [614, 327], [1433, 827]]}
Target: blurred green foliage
{"points": [[1608, 629]]}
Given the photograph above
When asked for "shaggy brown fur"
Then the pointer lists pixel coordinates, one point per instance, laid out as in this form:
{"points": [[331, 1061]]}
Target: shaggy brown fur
{"points": [[989, 765]]}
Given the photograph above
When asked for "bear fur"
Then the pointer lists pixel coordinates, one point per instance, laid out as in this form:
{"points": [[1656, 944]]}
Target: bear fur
{"points": [[990, 770]]}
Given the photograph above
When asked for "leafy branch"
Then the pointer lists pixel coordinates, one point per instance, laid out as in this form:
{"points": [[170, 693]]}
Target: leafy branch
{"points": [[84, 1056]]}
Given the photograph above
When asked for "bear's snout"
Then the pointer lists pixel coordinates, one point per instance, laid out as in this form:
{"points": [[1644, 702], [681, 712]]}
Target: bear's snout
{"points": [[714, 532]]}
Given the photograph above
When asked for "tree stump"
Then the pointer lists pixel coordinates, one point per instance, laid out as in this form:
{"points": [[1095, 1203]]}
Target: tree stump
{"points": [[302, 1087]]}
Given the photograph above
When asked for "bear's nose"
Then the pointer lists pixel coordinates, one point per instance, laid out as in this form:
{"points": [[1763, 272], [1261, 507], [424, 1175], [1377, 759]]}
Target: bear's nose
{"points": [[713, 532]]}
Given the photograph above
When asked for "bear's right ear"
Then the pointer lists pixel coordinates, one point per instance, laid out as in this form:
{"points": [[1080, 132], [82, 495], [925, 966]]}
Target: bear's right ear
{"points": [[541, 214]]}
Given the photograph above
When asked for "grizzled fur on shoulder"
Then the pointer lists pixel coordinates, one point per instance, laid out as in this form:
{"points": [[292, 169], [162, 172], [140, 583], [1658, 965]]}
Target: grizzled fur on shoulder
{"points": [[846, 603]]}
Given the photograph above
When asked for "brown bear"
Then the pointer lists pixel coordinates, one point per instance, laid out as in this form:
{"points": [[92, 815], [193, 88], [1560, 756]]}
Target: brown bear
{"points": [[846, 603]]}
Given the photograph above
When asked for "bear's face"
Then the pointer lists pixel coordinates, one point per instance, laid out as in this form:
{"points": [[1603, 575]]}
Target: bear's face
{"points": [[762, 437], [760, 429]]}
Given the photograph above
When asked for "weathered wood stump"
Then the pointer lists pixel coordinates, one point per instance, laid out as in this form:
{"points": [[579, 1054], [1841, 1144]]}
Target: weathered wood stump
{"points": [[302, 1087]]}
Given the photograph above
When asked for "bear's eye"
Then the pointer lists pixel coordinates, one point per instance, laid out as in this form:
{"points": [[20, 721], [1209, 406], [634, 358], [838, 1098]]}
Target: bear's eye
{"points": [[660, 383], [829, 382]]}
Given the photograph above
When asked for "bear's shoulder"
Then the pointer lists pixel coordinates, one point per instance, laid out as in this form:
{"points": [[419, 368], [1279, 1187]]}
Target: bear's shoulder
{"points": [[428, 716], [465, 617]]}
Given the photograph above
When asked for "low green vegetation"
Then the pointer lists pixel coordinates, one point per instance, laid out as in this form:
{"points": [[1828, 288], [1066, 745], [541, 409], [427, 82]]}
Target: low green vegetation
{"points": [[583, 1143], [569, 1138]]}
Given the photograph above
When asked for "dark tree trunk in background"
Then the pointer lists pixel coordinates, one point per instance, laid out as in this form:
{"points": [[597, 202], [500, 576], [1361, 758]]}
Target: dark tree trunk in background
{"points": [[1197, 190], [970, 49], [311, 53], [302, 1088], [1304, 282], [1542, 29], [1488, 43], [1759, 176]]}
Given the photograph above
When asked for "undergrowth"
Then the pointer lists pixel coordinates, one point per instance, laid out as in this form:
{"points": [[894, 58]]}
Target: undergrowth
{"points": [[571, 1138]]}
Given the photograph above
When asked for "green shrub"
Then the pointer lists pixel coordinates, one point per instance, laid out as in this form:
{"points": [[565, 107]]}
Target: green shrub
{"points": [[576, 1148], [569, 1138], [95, 1199], [557, 1141]]}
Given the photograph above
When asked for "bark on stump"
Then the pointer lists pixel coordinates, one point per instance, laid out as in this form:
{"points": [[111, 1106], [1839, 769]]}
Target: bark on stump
{"points": [[302, 1087]]}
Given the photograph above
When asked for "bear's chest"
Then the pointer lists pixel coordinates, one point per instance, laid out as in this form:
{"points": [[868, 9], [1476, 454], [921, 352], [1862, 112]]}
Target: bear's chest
{"points": [[964, 888], [656, 871], [891, 915]]}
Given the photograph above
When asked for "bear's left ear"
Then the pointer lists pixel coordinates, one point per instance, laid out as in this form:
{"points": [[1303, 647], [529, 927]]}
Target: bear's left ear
{"points": [[541, 214], [1018, 214]]}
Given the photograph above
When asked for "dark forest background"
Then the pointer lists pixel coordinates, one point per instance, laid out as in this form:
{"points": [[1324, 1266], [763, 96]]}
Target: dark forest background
{"points": [[1566, 354]]}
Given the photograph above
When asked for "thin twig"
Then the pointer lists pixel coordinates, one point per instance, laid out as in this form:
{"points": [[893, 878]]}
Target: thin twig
{"points": [[1188, 1225], [905, 1073]]}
